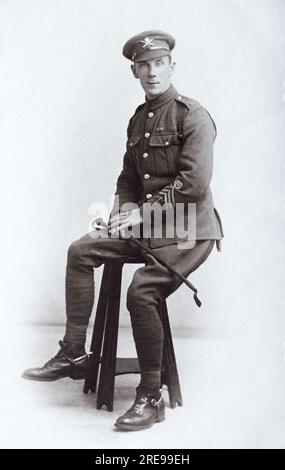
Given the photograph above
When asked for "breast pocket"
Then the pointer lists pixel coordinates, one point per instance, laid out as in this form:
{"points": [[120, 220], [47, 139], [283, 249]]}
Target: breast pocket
{"points": [[165, 150], [133, 142]]}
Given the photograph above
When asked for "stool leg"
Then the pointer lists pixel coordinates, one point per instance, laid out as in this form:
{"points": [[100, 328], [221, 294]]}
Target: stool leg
{"points": [[97, 335], [169, 369], [108, 363]]}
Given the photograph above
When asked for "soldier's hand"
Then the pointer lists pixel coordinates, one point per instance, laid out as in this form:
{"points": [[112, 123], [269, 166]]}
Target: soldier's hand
{"points": [[124, 221]]}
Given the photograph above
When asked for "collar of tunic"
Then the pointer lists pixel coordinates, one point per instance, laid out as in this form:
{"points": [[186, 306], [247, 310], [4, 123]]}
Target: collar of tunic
{"points": [[160, 100]]}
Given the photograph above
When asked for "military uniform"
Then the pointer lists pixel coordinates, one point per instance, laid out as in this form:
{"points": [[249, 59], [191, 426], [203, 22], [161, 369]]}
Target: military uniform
{"points": [[168, 160]]}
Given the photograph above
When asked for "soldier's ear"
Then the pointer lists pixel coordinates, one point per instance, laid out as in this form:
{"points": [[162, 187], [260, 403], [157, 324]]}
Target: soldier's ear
{"points": [[133, 67], [172, 67]]}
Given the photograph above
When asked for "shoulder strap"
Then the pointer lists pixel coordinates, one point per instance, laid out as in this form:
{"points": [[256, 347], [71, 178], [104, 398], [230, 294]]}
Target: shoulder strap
{"points": [[181, 123], [188, 106]]}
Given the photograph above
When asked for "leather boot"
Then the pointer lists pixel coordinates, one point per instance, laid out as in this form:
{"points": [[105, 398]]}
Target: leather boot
{"points": [[145, 411], [71, 361]]}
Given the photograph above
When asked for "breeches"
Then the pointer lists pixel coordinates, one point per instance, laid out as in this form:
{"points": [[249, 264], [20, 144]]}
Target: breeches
{"points": [[151, 284]]}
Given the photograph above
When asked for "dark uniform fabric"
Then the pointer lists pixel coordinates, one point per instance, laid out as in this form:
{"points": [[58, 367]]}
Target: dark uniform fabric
{"points": [[169, 160], [151, 284]]}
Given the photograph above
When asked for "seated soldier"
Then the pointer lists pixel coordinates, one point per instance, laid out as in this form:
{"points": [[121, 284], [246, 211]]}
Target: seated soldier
{"points": [[168, 161]]}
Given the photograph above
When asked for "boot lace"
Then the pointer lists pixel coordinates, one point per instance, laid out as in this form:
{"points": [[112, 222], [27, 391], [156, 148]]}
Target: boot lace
{"points": [[60, 354], [135, 409]]}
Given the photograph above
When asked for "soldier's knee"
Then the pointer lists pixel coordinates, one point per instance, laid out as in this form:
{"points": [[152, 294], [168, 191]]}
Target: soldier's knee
{"points": [[138, 298], [133, 297], [73, 254]]}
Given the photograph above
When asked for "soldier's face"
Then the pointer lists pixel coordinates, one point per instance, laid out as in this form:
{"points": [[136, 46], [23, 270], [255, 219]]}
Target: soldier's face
{"points": [[154, 75]]}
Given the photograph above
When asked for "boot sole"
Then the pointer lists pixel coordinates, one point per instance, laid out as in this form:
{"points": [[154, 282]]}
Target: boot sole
{"points": [[52, 379], [41, 379], [132, 427]]}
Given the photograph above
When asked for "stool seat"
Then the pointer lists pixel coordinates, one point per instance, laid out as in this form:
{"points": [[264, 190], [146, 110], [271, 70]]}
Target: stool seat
{"points": [[105, 338]]}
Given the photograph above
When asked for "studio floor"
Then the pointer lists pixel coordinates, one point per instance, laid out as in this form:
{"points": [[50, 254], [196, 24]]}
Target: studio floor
{"points": [[229, 401]]}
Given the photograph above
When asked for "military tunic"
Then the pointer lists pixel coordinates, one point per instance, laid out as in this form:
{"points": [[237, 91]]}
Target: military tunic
{"points": [[169, 160]]}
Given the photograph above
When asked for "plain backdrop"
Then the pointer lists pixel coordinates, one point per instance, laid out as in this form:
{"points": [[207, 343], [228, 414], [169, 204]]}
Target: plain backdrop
{"points": [[66, 95]]}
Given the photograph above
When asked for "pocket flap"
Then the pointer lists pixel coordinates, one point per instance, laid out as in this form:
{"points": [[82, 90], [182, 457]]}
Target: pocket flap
{"points": [[133, 140], [163, 140]]}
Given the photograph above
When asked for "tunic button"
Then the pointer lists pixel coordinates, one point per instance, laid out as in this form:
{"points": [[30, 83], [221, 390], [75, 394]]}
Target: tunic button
{"points": [[145, 155], [166, 143], [146, 176], [131, 144], [148, 196], [179, 97], [150, 115], [147, 135]]}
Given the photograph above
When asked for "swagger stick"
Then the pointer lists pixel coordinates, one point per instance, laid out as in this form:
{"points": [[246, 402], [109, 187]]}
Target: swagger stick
{"points": [[164, 263], [100, 223]]}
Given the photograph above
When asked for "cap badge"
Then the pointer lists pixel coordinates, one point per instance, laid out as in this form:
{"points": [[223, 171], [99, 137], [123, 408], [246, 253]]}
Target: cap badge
{"points": [[148, 43]]}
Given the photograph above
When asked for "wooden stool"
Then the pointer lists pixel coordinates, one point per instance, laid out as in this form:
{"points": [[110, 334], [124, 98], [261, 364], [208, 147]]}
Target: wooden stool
{"points": [[105, 338]]}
